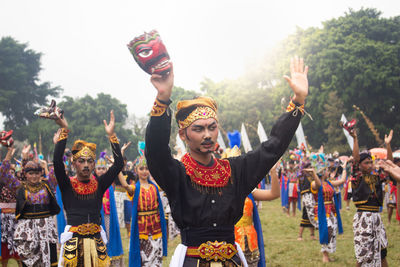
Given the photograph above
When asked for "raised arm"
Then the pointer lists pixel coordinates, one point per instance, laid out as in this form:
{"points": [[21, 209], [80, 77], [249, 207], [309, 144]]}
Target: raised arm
{"points": [[123, 182], [274, 192], [317, 182], [388, 139], [6, 177], [356, 149], [162, 165], [107, 179], [60, 141], [342, 180]]}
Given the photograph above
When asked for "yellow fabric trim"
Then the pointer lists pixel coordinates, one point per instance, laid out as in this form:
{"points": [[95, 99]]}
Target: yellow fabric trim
{"points": [[150, 212], [158, 109], [245, 221], [360, 202], [89, 252], [154, 237], [114, 139], [305, 191], [63, 134]]}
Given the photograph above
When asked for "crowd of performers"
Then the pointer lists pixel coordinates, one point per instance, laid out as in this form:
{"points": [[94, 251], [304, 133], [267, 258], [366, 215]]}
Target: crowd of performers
{"points": [[71, 212]]}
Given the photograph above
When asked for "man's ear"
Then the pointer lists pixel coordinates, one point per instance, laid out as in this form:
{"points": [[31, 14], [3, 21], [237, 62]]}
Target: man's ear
{"points": [[182, 134]]}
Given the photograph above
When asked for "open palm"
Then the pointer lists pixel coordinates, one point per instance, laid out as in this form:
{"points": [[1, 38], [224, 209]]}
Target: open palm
{"points": [[298, 80]]}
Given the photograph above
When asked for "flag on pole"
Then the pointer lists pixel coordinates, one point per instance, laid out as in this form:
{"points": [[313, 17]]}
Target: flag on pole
{"points": [[261, 133], [300, 137], [220, 141], [346, 133], [245, 139]]}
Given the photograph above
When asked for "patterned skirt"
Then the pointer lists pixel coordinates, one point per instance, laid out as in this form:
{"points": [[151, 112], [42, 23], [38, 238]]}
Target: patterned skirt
{"points": [[36, 240], [369, 238], [151, 252], [308, 218], [8, 225], [332, 230]]}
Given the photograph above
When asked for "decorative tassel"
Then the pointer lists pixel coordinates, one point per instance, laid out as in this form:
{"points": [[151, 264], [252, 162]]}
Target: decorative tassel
{"points": [[371, 126]]}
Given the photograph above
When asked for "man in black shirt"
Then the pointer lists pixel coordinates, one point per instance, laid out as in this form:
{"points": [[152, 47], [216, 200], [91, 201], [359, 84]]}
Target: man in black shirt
{"points": [[83, 241], [370, 241], [206, 194]]}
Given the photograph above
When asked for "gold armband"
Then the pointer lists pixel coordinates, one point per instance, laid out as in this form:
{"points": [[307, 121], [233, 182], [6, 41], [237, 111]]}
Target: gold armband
{"points": [[113, 139], [63, 134], [158, 109], [292, 106]]}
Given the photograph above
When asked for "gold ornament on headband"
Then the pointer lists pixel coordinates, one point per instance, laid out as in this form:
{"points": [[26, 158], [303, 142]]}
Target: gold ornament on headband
{"points": [[198, 113], [83, 149]]}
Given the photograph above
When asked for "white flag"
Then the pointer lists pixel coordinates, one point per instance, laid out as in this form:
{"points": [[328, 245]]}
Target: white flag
{"points": [[261, 133], [346, 133], [245, 140], [300, 137], [220, 141]]}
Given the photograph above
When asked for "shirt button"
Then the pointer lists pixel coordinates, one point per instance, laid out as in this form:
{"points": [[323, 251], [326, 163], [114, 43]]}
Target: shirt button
{"points": [[213, 201], [214, 224]]}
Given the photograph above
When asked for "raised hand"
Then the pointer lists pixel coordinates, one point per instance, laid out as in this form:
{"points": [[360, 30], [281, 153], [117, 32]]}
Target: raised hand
{"points": [[25, 151], [61, 121], [163, 84], [111, 125], [56, 136], [388, 138], [10, 153], [125, 146], [298, 80]]}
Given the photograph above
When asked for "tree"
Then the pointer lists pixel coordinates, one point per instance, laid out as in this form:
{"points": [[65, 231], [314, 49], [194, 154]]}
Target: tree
{"points": [[20, 90], [85, 117], [357, 56], [333, 111]]}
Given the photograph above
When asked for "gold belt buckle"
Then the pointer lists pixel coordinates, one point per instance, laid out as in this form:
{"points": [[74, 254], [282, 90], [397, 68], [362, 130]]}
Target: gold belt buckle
{"points": [[216, 251]]}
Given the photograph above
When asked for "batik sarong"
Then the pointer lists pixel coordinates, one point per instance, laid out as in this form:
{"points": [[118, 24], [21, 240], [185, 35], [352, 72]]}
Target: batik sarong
{"points": [[151, 252], [308, 205], [369, 238], [332, 230], [35, 241]]}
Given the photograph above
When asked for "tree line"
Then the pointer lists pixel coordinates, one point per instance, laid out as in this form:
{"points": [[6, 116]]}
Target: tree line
{"points": [[353, 60]]}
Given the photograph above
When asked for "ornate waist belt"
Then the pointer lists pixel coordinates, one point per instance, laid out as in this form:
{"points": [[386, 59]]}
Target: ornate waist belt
{"points": [[149, 212], [216, 251], [86, 229]]}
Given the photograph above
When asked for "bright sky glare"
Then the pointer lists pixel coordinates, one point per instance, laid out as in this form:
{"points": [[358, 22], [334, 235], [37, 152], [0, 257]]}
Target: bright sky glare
{"points": [[84, 42]]}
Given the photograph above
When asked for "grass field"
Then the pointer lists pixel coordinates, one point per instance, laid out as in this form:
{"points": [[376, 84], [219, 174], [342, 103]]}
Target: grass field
{"points": [[283, 249]]}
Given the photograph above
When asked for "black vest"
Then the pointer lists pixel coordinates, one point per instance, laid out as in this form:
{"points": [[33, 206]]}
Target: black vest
{"points": [[27, 211]]}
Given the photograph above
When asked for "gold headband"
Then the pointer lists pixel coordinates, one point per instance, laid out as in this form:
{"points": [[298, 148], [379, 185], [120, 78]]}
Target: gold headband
{"points": [[84, 149], [198, 113]]}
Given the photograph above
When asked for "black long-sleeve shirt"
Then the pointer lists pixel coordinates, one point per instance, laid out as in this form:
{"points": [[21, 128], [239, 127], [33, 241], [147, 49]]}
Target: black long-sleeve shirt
{"points": [[80, 210], [194, 209]]}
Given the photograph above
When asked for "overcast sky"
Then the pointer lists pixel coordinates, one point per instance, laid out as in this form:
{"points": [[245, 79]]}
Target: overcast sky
{"points": [[84, 42]]}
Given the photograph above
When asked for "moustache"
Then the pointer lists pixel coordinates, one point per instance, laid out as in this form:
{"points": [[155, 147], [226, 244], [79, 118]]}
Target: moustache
{"points": [[85, 169], [207, 142]]}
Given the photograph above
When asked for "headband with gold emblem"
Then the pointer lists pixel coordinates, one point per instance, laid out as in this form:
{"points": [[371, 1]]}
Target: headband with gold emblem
{"points": [[83, 149], [206, 108]]}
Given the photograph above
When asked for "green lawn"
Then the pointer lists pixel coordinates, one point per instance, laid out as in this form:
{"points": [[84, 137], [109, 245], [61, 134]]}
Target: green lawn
{"points": [[283, 249]]}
